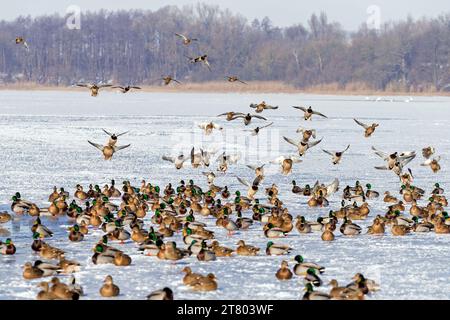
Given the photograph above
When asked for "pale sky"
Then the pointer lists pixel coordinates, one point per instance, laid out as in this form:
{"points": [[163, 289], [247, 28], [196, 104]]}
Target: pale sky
{"points": [[350, 13]]}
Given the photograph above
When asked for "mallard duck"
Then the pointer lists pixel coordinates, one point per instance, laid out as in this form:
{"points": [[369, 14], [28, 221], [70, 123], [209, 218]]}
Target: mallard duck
{"points": [[205, 255], [308, 112], [126, 89], [41, 229], [362, 283], [368, 129], [310, 294], [349, 228], [4, 217], [168, 79], [421, 226], [7, 248], [163, 294], [302, 146], [45, 293], [186, 40], [327, 235], [312, 277], [246, 250], [271, 232], [277, 249], [284, 273], [221, 251], [377, 226], [107, 150], [190, 277], [93, 87], [62, 291], [68, 266], [109, 289], [75, 235], [234, 79], [122, 259], [399, 230], [21, 40], [260, 107], [200, 59], [102, 257], [171, 252], [31, 272], [47, 269], [433, 164], [336, 155], [302, 267], [207, 283]]}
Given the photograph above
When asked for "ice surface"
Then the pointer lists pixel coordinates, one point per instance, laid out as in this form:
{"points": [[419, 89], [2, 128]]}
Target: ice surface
{"points": [[43, 143]]}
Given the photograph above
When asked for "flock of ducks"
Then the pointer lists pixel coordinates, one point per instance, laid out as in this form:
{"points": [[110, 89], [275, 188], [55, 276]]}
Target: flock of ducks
{"points": [[150, 216]]}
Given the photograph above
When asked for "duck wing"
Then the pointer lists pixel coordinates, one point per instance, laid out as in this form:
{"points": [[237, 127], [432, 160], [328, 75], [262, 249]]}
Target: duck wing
{"points": [[98, 146], [300, 108], [121, 147], [290, 141], [365, 126]]}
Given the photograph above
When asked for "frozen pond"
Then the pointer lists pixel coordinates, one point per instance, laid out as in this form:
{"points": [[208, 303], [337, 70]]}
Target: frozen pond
{"points": [[44, 143]]}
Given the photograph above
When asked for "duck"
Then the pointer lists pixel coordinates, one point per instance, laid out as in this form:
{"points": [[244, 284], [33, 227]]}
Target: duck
{"points": [[310, 294], [200, 59], [39, 269], [433, 164], [190, 277], [389, 198], [45, 293], [327, 234], [68, 266], [309, 112], [377, 226], [208, 283], [126, 89], [371, 194], [102, 257], [302, 267], [368, 129], [122, 259], [272, 232], [31, 272], [107, 150], [246, 250], [302, 146], [302, 226], [167, 79], [421, 226], [221, 251], [163, 294], [284, 273], [22, 41], [277, 249], [235, 79], [399, 230], [109, 289], [186, 40], [312, 277], [306, 133], [47, 251], [75, 235], [336, 155], [93, 87], [348, 228], [5, 217], [62, 291], [260, 107], [205, 255], [7, 248]]}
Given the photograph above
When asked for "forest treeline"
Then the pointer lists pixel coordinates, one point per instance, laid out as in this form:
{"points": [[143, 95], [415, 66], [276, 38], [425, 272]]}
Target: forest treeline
{"points": [[137, 47]]}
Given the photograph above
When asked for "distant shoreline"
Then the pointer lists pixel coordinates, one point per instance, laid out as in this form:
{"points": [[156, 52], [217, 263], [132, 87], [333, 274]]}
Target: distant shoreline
{"points": [[225, 87]]}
